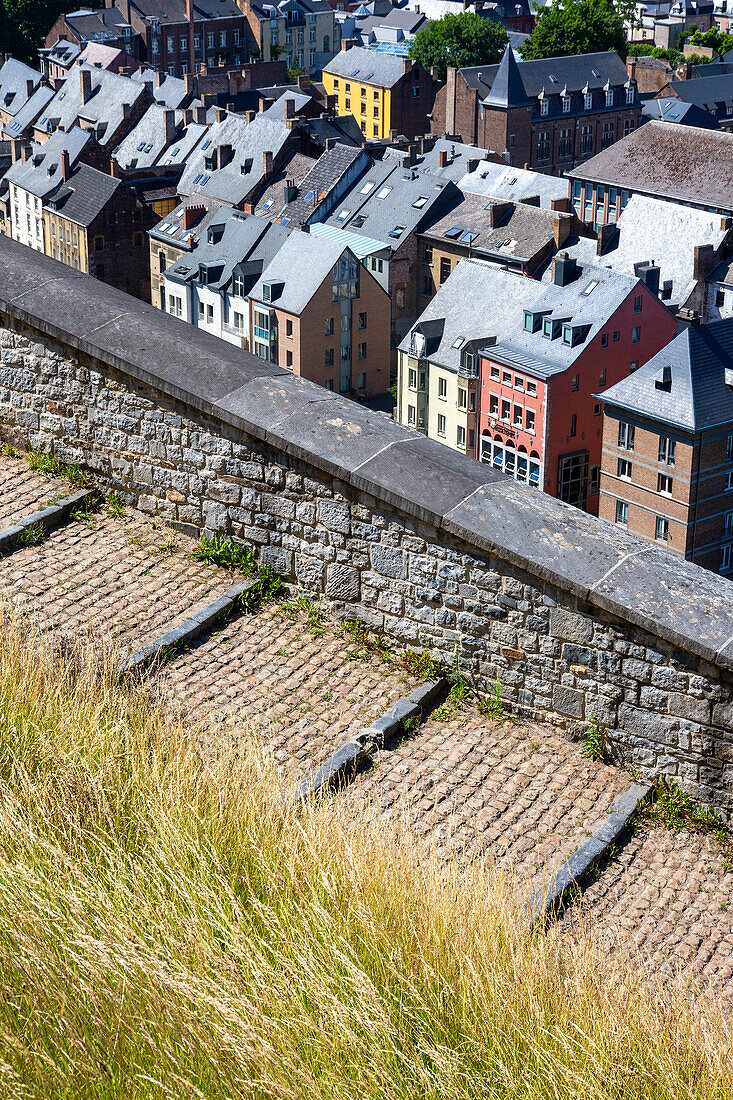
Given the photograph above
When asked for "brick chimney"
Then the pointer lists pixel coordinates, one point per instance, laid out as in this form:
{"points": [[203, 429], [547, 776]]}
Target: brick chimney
{"points": [[250, 116], [65, 165], [159, 78], [443, 158], [704, 260], [220, 114], [25, 152], [85, 79], [304, 80], [562, 228], [169, 121], [289, 108], [115, 171], [450, 101], [192, 215], [201, 115], [190, 83], [407, 64], [267, 162], [631, 67], [562, 205], [29, 88]]}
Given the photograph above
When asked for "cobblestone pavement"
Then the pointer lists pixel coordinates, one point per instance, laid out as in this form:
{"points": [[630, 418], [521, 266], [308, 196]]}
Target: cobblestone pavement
{"points": [[517, 791], [670, 895], [126, 578], [299, 693], [23, 492]]}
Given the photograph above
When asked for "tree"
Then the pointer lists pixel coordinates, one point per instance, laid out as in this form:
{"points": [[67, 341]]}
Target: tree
{"points": [[456, 41], [576, 26], [25, 23]]}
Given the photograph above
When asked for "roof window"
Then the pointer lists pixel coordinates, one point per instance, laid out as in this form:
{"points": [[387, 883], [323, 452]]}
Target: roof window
{"points": [[396, 232], [470, 236], [368, 186], [384, 192], [454, 232], [589, 288], [342, 215], [420, 202]]}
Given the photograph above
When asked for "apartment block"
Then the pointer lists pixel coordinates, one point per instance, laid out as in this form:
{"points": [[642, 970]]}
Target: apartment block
{"points": [[386, 94]]}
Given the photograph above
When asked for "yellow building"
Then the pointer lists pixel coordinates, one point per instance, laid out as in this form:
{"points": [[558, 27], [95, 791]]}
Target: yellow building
{"points": [[383, 92]]}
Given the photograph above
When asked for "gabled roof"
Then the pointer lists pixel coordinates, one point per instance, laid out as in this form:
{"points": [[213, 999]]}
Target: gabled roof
{"points": [[83, 197], [366, 66], [247, 143], [105, 107], [516, 184], [174, 11], [507, 89], [62, 53], [301, 265], [168, 90], [41, 173], [230, 240], [672, 109], [552, 75], [697, 397], [171, 228], [457, 153], [324, 177], [31, 110], [710, 93], [521, 233], [15, 79], [146, 145], [674, 162]]}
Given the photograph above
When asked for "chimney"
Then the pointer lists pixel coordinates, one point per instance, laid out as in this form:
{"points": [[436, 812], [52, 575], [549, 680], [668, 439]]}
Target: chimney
{"points": [[631, 67], [192, 215], [704, 260], [190, 83], [250, 115], [65, 164], [347, 43], [115, 171], [663, 381], [289, 108], [189, 17], [187, 117], [561, 229], [450, 101], [230, 107], [560, 205], [304, 80], [208, 99], [498, 212], [159, 78], [564, 269], [169, 121], [472, 164], [649, 275], [29, 88], [201, 115], [85, 78], [248, 208], [290, 191], [407, 64], [25, 152], [408, 158], [126, 110], [267, 163], [606, 239], [220, 114], [443, 158]]}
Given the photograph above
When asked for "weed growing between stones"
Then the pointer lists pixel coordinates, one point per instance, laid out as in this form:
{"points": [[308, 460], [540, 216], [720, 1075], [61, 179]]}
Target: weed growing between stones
{"points": [[227, 554], [114, 507], [596, 744], [493, 707], [50, 466], [673, 808], [33, 535]]}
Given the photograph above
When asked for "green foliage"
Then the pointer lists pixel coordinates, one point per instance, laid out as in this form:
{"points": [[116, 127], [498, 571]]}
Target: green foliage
{"points": [[640, 49], [595, 743], [493, 707], [225, 553], [456, 41], [674, 809], [713, 39], [368, 644], [569, 27], [50, 466], [85, 516], [421, 665], [114, 507], [314, 614], [8, 450], [268, 586], [25, 23], [31, 536], [293, 74]]}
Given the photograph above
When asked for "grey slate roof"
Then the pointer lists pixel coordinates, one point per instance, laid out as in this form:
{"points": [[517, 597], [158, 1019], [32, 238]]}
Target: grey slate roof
{"points": [[367, 66], [84, 195], [523, 231], [515, 184], [277, 109], [671, 161], [697, 398], [459, 155], [110, 92], [41, 173], [63, 53], [667, 233], [248, 142], [171, 92], [32, 109], [174, 11], [145, 145], [325, 175], [96, 26], [272, 201], [232, 240], [398, 201], [671, 109], [170, 229], [525, 81], [507, 87], [713, 94], [504, 295], [722, 274], [301, 264], [14, 77]]}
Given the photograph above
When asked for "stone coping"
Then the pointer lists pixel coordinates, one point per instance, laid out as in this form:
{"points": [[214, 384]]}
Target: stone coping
{"points": [[591, 559]]}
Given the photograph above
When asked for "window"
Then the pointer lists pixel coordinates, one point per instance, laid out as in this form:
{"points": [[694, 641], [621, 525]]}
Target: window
{"points": [[495, 374], [661, 531], [616, 336], [622, 513], [667, 448], [428, 255], [412, 379], [441, 425], [529, 420], [543, 145], [493, 405], [427, 285], [628, 126], [624, 468], [505, 411], [604, 340], [626, 433], [566, 143], [460, 436], [729, 449], [411, 415], [462, 398], [445, 269], [725, 557], [573, 424], [573, 479], [518, 417], [595, 481], [575, 383], [607, 135], [442, 387], [633, 365], [236, 37], [635, 334], [532, 389], [210, 313], [210, 40], [329, 326], [566, 104], [728, 523], [201, 311], [588, 101], [288, 328], [629, 95], [329, 357], [519, 381], [288, 358], [238, 321], [609, 97], [597, 409], [362, 351], [638, 303], [664, 484], [586, 140], [361, 382], [544, 106]]}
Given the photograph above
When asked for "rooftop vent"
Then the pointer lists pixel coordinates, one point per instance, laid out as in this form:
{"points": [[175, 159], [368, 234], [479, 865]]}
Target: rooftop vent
{"points": [[663, 381]]}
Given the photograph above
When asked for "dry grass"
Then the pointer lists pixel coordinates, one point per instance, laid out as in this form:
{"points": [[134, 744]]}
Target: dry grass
{"points": [[169, 929]]}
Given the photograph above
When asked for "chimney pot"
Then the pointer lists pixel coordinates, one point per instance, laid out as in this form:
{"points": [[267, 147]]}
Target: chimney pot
{"points": [[443, 158]]}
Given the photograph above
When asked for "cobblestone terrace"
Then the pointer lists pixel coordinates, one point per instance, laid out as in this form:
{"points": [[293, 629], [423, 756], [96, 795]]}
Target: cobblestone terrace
{"points": [[516, 791]]}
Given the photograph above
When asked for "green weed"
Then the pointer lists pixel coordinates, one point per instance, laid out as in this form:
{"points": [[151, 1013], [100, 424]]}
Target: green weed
{"points": [[596, 744], [50, 466], [114, 507], [33, 535], [224, 552], [493, 706], [674, 809]]}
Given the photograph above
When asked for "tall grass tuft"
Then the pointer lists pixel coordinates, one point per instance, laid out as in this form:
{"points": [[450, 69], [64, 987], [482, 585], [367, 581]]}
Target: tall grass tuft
{"points": [[170, 927]]}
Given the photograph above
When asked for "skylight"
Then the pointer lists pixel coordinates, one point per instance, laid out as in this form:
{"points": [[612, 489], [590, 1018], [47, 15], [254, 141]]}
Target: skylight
{"points": [[358, 221], [590, 287], [420, 202], [342, 215], [457, 343], [367, 187], [454, 232], [384, 192], [206, 144], [268, 204], [397, 231], [141, 146], [470, 236], [596, 73], [310, 196]]}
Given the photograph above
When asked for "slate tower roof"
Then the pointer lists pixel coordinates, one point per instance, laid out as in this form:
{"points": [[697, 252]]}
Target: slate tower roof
{"points": [[508, 88]]}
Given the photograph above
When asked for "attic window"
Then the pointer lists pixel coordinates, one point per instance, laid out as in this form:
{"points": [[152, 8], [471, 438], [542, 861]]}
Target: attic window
{"points": [[384, 192], [268, 204], [342, 215], [512, 181], [206, 144], [61, 95], [590, 287], [368, 186], [420, 202], [470, 236], [198, 178], [453, 233], [532, 321], [204, 180], [176, 151], [148, 147], [358, 221], [141, 146], [457, 343], [396, 232]]}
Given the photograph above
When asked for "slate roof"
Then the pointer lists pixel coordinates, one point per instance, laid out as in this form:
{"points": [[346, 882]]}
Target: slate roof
{"points": [[367, 66], [31, 110], [170, 229], [14, 77], [387, 203], [671, 109], [63, 53], [231, 241], [175, 10], [342, 128], [96, 26], [40, 174], [249, 141], [713, 94], [722, 274], [675, 162], [519, 83], [301, 263], [83, 197], [145, 145], [277, 109], [516, 184], [110, 92], [99, 55], [263, 8], [459, 155], [272, 200], [507, 87], [522, 232], [171, 92], [323, 178], [504, 295], [698, 398], [667, 233]]}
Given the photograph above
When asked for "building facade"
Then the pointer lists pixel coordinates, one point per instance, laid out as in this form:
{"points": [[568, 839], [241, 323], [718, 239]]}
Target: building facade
{"points": [[385, 94], [303, 33]]}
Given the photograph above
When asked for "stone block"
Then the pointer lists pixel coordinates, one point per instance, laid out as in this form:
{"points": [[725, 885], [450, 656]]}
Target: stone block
{"points": [[567, 701], [388, 561], [684, 706], [334, 515], [281, 561], [342, 582], [570, 626], [579, 655]]}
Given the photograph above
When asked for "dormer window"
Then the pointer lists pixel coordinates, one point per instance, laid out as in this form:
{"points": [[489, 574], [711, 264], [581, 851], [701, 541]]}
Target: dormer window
{"points": [[629, 95], [574, 334], [532, 321], [588, 101], [544, 106], [609, 97], [551, 328], [566, 104]]}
